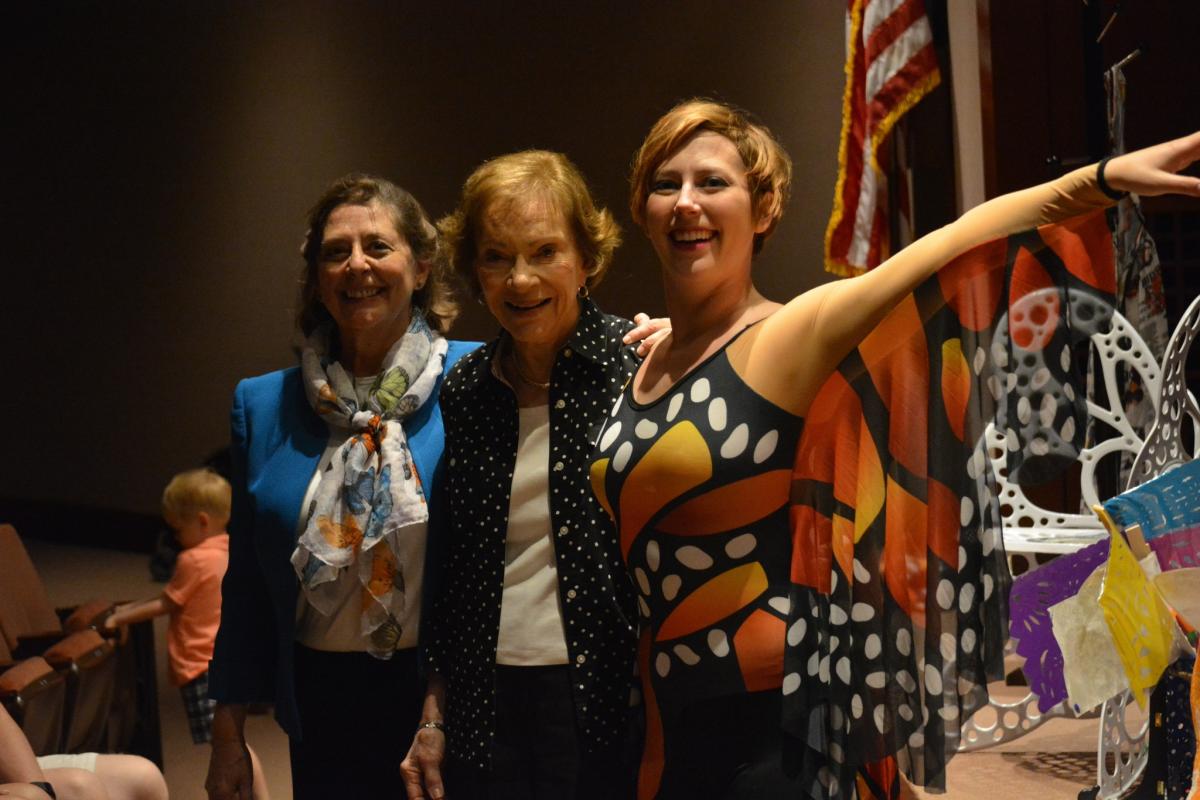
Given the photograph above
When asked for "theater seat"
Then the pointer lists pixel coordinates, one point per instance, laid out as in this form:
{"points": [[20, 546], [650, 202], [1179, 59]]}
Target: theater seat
{"points": [[89, 615], [89, 663], [6, 656], [25, 609], [35, 695], [123, 721]]}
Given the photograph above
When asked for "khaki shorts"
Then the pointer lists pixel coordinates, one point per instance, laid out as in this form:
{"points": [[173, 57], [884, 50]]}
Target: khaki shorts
{"points": [[67, 761]]}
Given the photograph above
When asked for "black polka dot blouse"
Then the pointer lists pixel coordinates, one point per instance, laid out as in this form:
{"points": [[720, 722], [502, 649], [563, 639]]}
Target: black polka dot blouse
{"points": [[597, 598]]}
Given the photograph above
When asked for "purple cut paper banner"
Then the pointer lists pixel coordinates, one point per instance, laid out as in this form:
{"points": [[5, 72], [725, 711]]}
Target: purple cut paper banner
{"points": [[1029, 617]]}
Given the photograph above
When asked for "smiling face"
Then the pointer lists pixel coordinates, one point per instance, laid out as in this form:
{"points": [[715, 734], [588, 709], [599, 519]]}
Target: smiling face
{"points": [[699, 214], [529, 271], [366, 274]]}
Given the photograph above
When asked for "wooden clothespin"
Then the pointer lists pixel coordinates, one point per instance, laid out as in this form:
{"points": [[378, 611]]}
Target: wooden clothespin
{"points": [[1137, 541], [1133, 534]]}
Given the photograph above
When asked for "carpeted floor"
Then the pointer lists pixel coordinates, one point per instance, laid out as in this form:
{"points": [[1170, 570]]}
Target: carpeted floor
{"points": [[1053, 762]]}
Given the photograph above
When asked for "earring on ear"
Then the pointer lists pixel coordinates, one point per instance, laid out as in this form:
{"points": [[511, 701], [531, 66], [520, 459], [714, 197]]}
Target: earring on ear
{"points": [[583, 291]]}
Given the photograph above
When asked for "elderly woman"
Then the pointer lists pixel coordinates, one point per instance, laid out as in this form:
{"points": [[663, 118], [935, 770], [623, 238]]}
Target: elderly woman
{"points": [[695, 462], [333, 462], [534, 630]]}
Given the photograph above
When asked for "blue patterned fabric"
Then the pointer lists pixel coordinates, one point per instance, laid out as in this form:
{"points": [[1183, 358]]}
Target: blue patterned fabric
{"points": [[1167, 504]]}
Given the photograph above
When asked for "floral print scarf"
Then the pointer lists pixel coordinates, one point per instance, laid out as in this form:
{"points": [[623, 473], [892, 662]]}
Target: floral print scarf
{"points": [[370, 497]]}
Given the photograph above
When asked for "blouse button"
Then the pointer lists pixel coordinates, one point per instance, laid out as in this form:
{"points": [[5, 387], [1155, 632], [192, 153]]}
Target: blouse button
{"points": [[560, 404], [571, 594], [579, 659], [567, 352], [558, 466], [563, 530]]}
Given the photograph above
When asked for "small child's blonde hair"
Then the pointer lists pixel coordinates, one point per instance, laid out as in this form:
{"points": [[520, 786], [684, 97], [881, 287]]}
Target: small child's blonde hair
{"points": [[194, 491]]}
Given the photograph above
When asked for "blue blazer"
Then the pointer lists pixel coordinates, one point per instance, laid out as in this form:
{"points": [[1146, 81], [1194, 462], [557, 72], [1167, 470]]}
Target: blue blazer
{"points": [[277, 442]]}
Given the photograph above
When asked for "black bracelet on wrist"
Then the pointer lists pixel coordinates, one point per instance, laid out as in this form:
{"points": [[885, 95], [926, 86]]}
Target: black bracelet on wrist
{"points": [[433, 723], [1102, 184], [45, 787]]}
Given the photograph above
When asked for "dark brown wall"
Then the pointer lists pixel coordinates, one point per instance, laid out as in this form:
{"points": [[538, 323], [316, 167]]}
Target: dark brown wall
{"points": [[1049, 100], [1047, 80], [162, 155]]}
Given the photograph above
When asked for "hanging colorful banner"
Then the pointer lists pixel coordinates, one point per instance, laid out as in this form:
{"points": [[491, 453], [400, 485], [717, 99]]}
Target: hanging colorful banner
{"points": [[1140, 622]]}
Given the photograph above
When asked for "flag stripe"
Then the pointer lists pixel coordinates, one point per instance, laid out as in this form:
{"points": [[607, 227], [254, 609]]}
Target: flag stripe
{"points": [[875, 14], [845, 196], [902, 17], [864, 217], [892, 60], [896, 96], [890, 65]]}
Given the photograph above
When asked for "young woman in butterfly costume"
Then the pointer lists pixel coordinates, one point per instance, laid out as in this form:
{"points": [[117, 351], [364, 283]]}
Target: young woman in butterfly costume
{"points": [[794, 661]]}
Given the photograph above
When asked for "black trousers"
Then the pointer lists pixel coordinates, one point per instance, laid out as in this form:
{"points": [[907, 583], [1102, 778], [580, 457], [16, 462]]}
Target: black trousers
{"points": [[357, 717], [729, 748], [538, 753]]}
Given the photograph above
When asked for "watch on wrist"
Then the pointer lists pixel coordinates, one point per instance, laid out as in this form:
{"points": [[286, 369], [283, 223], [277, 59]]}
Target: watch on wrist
{"points": [[45, 787]]}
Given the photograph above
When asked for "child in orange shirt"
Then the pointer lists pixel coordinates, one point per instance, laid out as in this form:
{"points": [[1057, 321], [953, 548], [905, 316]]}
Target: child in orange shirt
{"points": [[196, 504]]}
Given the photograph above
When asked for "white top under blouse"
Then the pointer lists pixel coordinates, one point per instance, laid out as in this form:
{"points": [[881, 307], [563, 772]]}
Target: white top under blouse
{"points": [[531, 620]]}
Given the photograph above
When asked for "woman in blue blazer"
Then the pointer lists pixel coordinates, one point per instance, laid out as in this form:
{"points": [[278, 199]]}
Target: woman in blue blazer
{"points": [[333, 462]]}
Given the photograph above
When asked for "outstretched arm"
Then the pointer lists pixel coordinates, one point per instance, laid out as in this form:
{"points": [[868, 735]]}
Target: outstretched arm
{"points": [[832, 319], [131, 613]]}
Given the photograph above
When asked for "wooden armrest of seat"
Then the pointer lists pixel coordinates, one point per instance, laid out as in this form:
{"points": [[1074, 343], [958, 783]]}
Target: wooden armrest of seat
{"points": [[24, 674], [82, 647], [88, 615]]}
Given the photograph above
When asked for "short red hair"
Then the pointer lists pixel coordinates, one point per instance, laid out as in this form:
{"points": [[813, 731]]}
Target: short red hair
{"points": [[768, 167]]}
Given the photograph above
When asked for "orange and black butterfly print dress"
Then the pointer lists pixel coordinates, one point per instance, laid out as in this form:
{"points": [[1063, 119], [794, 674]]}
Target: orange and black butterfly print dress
{"points": [[698, 482], [900, 584], [866, 586]]}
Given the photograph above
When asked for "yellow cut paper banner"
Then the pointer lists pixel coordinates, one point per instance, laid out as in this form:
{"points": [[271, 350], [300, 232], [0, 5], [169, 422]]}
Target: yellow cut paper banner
{"points": [[1140, 622]]}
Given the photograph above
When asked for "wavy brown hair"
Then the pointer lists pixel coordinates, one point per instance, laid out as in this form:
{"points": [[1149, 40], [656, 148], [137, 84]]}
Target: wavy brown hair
{"points": [[435, 298]]}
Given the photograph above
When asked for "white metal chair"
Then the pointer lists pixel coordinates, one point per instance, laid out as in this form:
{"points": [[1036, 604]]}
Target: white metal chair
{"points": [[1031, 529], [1121, 754]]}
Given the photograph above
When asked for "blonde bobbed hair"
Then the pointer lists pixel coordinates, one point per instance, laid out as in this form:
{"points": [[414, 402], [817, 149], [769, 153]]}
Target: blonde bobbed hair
{"points": [[194, 491]]}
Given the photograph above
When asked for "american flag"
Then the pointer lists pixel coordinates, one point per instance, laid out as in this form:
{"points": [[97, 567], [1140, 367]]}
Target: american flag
{"points": [[890, 65]]}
